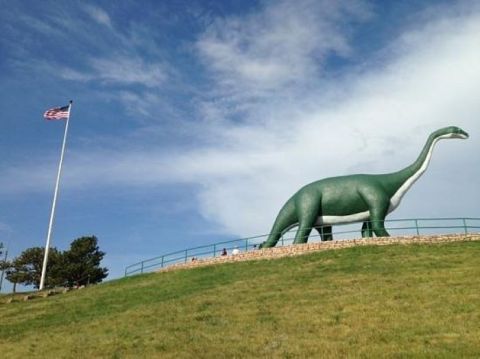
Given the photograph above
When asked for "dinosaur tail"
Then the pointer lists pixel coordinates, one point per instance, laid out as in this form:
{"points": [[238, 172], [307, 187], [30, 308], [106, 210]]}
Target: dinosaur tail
{"points": [[285, 219]]}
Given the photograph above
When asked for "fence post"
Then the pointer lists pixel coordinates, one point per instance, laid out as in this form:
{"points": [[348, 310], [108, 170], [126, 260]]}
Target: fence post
{"points": [[162, 261], [282, 241], [186, 254], [465, 225], [141, 269], [214, 250], [246, 245], [416, 226]]}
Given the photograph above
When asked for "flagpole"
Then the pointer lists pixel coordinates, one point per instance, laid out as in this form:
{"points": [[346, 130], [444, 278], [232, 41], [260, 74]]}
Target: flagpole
{"points": [[54, 202]]}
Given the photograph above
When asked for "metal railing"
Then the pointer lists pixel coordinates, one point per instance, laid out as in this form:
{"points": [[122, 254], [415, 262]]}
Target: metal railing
{"points": [[414, 226]]}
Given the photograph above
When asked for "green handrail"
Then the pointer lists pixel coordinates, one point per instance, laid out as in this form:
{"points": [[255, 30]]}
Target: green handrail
{"points": [[210, 250]]}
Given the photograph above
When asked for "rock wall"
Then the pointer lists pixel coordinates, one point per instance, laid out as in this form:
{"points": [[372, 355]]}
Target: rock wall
{"points": [[299, 249]]}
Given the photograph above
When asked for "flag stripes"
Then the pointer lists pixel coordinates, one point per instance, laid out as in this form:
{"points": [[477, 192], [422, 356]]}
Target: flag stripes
{"points": [[58, 113]]}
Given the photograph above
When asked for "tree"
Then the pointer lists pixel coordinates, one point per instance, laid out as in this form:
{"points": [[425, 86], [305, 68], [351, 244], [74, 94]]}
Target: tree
{"points": [[15, 273], [27, 268], [81, 263]]}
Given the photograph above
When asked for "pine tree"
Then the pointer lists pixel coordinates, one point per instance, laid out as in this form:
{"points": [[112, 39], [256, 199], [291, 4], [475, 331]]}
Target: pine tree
{"points": [[81, 263]]}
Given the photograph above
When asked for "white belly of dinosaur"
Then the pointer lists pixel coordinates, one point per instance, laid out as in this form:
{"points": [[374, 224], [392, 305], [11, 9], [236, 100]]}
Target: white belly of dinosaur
{"points": [[351, 218], [330, 220]]}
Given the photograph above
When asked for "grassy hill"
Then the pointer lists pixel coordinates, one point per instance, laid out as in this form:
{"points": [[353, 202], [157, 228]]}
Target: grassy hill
{"points": [[395, 301]]}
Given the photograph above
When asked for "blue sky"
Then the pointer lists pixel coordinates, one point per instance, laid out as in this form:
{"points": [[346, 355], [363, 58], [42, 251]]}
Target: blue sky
{"points": [[193, 121]]}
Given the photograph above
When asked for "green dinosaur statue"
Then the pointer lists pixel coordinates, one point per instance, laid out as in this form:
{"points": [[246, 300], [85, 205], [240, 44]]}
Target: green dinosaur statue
{"points": [[355, 198]]}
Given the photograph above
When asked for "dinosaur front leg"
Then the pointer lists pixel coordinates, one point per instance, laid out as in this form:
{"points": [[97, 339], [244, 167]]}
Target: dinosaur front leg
{"points": [[377, 202], [367, 230], [303, 232], [325, 233], [377, 216], [307, 208]]}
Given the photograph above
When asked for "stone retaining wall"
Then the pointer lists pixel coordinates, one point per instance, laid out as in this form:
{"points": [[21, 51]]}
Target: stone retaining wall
{"points": [[299, 249]]}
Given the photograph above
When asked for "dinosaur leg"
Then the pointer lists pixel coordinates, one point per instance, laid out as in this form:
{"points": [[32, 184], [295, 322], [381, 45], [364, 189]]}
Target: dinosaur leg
{"points": [[325, 233], [307, 207], [377, 216], [367, 230], [304, 231], [286, 217], [377, 202]]}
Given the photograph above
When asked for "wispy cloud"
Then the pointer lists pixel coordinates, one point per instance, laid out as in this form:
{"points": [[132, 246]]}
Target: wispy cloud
{"points": [[93, 51], [67, 73], [129, 70], [98, 14], [284, 44]]}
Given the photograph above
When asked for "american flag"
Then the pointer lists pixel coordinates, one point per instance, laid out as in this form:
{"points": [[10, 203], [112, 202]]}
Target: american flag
{"points": [[58, 113]]}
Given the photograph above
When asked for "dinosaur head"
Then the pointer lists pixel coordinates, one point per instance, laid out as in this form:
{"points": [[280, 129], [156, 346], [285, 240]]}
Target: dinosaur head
{"points": [[451, 132]]}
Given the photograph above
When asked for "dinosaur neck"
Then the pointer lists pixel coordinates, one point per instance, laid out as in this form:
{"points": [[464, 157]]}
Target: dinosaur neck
{"points": [[399, 182]]}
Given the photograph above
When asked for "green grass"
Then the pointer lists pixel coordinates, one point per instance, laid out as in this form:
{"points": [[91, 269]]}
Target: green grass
{"points": [[398, 301]]}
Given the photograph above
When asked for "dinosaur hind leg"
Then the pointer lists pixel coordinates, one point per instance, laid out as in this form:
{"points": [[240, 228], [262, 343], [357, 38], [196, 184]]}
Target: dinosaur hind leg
{"points": [[325, 233]]}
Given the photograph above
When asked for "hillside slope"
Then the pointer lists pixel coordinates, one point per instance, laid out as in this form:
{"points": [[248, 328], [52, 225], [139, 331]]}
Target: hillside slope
{"points": [[369, 301]]}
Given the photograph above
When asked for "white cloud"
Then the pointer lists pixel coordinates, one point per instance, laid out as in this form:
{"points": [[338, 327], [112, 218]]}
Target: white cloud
{"points": [[284, 44], [67, 73], [98, 14], [122, 57], [119, 71], [129, 70]]}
